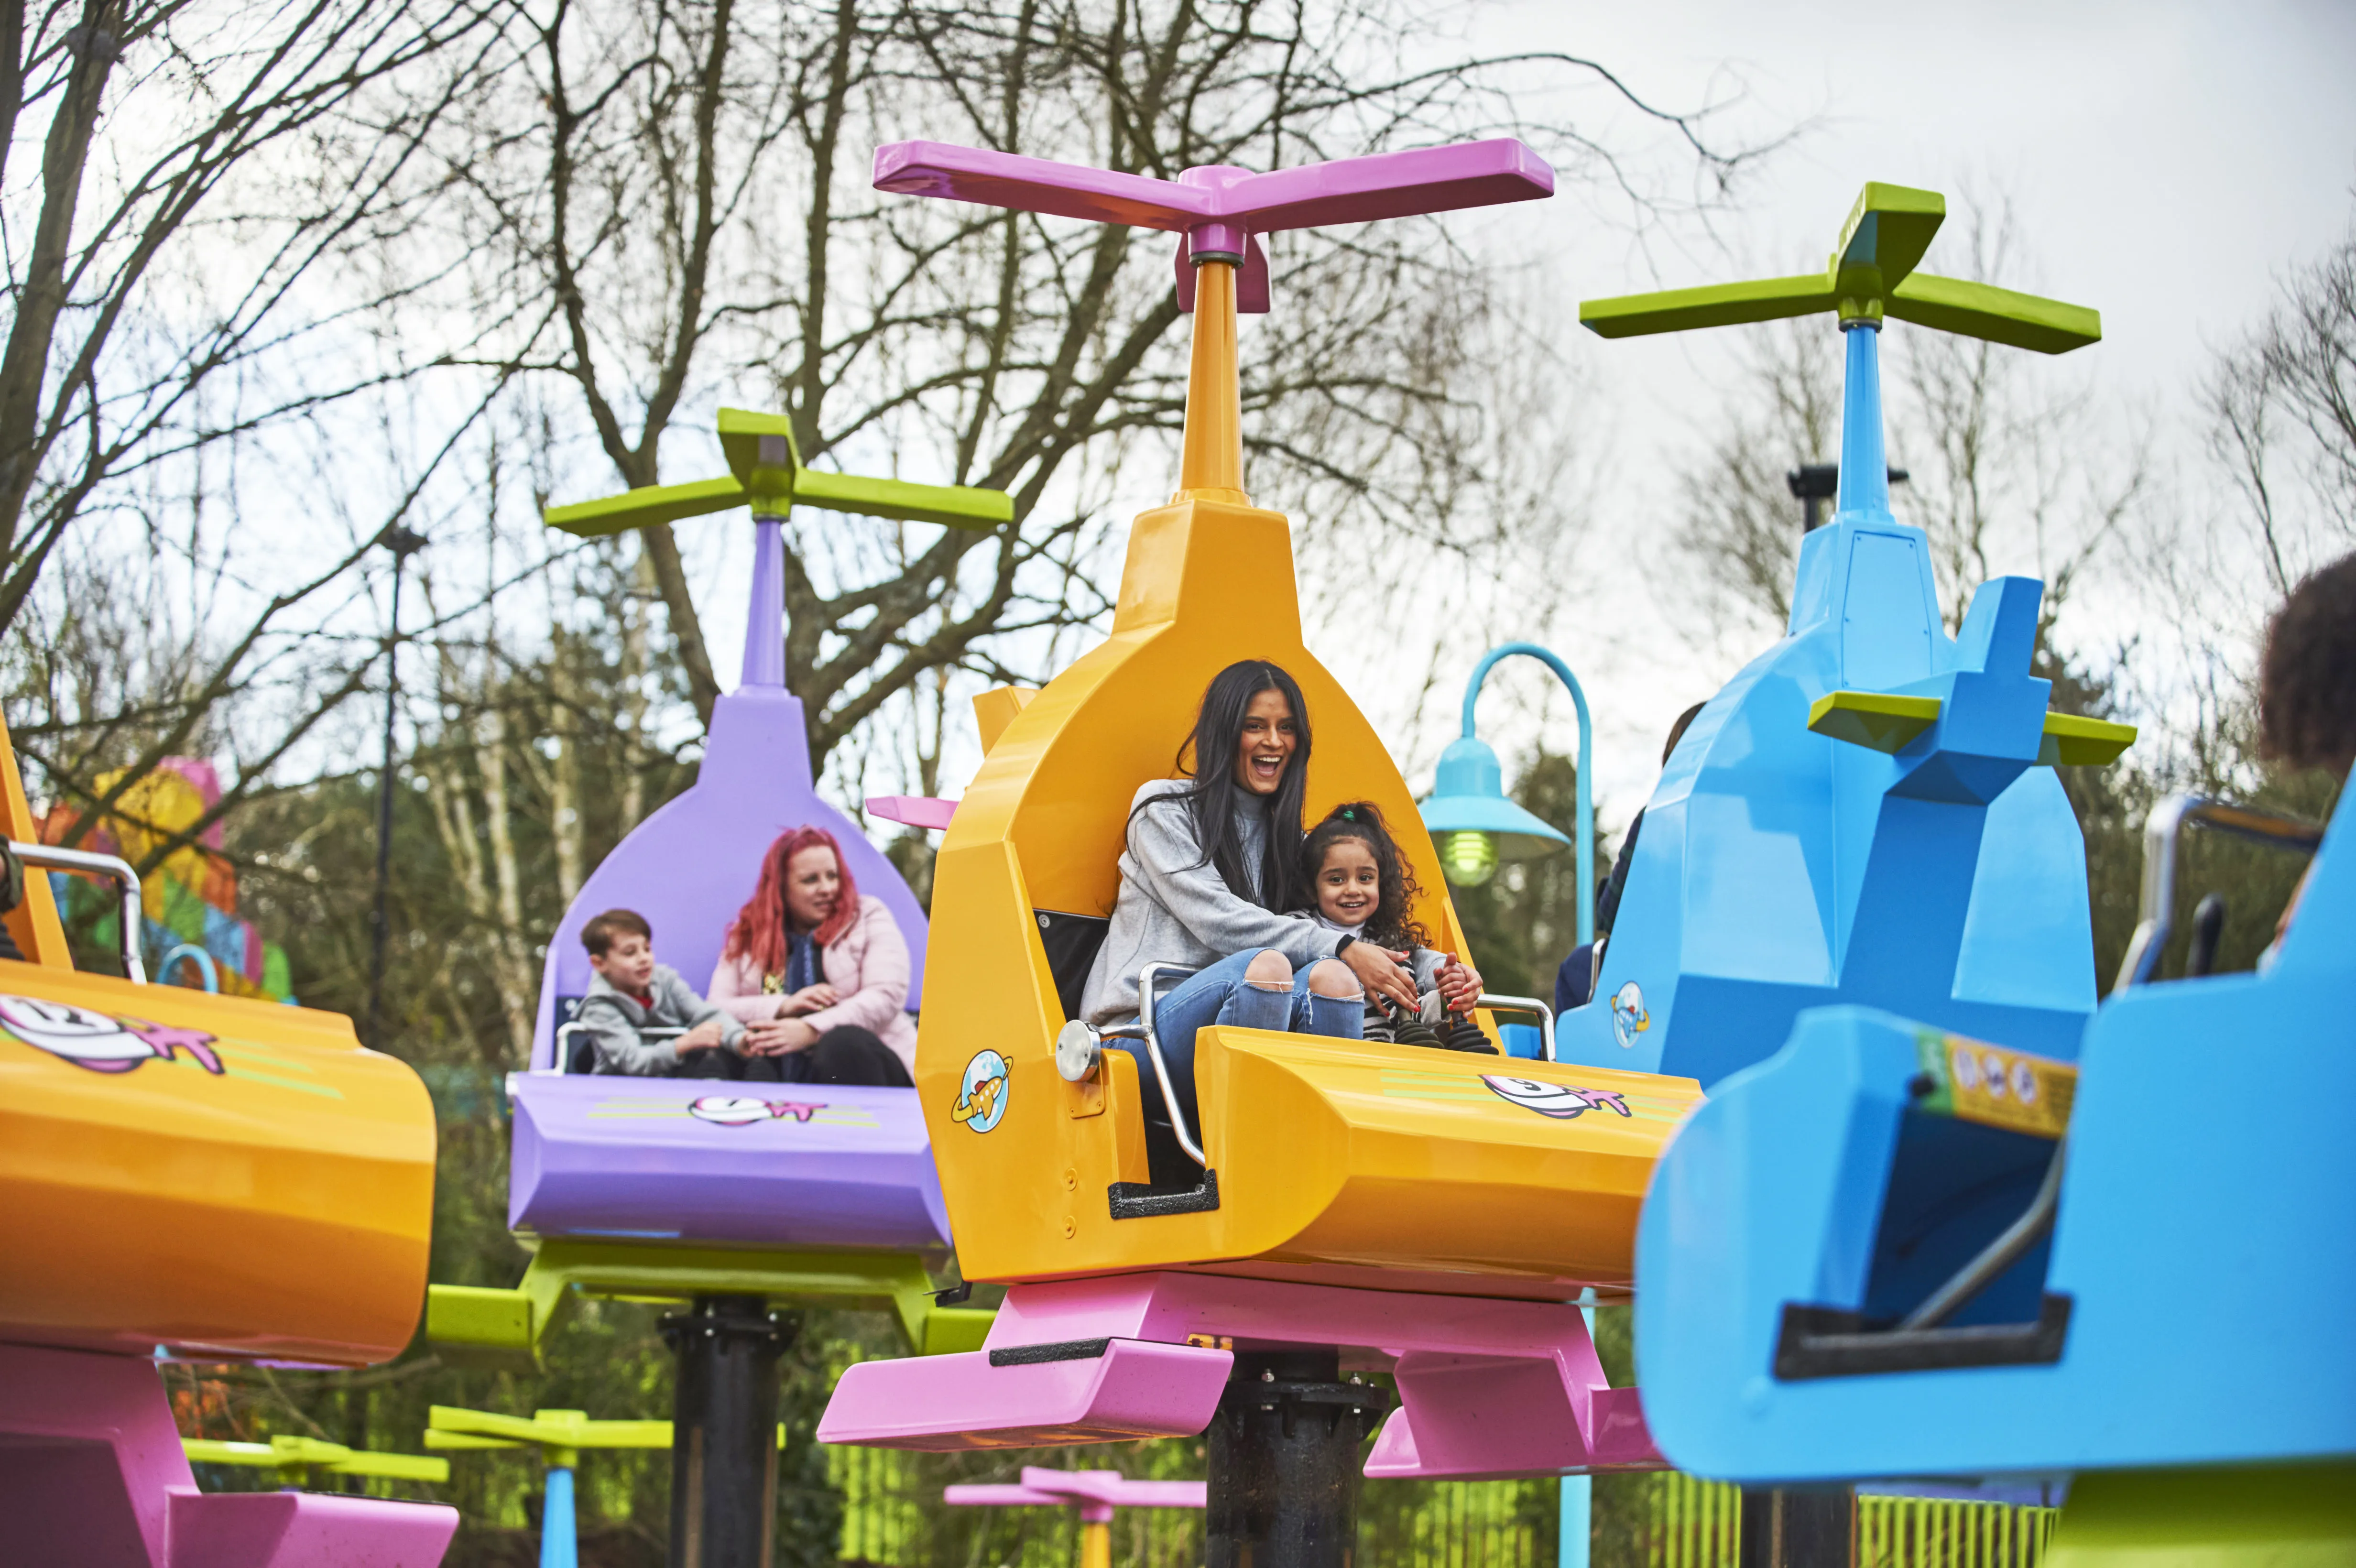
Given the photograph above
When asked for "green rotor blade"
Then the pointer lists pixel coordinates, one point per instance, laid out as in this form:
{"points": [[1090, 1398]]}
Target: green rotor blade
{"points": [[436, 1438], [959, 506], [644, 507], [294, 1454], [394, 1466], [1999, 315], [1871, 275], [1884, 239], [767, 474], [1716, 305], [485, 1423], [761, 451], [211, 1451]]}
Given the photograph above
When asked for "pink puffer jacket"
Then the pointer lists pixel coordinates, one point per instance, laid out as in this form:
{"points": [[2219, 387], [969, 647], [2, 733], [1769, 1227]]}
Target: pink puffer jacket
{"points": [[868, 967]]}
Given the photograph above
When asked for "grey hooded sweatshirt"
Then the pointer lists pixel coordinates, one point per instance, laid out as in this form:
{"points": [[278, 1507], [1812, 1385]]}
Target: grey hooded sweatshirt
{"points": [[614, 1021], [1175, 908]]}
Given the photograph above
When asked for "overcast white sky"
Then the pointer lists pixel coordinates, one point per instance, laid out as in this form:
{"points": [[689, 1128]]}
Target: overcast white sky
{"points": [[2168, 160]]}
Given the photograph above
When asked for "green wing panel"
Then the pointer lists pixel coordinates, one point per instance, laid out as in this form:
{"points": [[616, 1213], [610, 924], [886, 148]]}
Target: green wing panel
{"points": [[2072, 742], [645, 507], [1999, 315], [1877, 720], [959, 506]]}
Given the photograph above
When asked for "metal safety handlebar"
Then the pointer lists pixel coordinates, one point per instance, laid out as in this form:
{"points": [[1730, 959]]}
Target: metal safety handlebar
{"points": [[2163, 840], [1524, 1005], [50, 857], [1147, 979], [564, 1033]]}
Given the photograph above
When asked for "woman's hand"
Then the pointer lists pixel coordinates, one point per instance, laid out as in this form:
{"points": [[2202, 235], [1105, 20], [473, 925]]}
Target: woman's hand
{"points": [[1379, 970], [1460, 983], [808, 1000], [777, 1037]]}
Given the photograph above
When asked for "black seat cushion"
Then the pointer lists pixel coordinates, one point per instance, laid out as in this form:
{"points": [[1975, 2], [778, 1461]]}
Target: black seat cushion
{"points": [[1072, 940], [581, 1054]]}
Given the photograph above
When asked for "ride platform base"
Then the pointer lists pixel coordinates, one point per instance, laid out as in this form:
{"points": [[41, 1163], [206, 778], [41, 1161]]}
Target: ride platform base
{"points": [[92, 1470], [1487, 1387], [494, 1330]]}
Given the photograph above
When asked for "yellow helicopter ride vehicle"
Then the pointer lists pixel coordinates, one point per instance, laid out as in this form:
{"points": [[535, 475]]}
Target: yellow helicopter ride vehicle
{"points": [[1342, 1206], [184, 1175]]}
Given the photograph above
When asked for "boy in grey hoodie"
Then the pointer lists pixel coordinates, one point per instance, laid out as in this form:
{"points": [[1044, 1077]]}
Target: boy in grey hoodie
{"points": [[632, 994]]}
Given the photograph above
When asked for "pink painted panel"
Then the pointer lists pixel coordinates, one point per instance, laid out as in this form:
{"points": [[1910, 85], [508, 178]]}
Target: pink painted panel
{"points": [[961, 1402], [91, 1471], [1487, 1387]]}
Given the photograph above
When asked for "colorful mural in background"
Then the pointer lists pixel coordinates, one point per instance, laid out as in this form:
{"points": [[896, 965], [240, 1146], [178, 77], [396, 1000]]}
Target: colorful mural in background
{"points": [[189, 901]]}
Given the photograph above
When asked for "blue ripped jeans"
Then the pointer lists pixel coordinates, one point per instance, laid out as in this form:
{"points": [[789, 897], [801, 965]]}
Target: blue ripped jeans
{"points": [[1220, 994]]}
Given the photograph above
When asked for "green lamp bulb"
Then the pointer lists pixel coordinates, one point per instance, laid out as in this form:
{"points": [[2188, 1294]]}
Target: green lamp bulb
{"points": [[1468, 859]]}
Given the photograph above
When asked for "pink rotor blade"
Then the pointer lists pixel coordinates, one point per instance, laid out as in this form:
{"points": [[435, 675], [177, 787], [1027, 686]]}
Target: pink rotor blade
{"points": [[1076, 1485], [1037, 184], [1386, 185], [990, 1496], [912, 810], [1161, 1494]]}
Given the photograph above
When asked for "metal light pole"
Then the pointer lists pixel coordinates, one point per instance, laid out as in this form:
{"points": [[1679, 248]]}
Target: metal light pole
{"points": [[1814, 484], [403, 544], [1473, 822]]}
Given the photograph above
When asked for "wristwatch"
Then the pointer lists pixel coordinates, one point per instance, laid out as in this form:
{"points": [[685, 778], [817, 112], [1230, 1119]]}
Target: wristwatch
{"points": [[1344, 945]]}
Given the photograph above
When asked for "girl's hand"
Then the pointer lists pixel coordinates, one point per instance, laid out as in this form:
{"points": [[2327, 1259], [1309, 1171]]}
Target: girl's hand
{"points": [[778, 1036], [1460, 983], [808, 1000], [1379, 970]]}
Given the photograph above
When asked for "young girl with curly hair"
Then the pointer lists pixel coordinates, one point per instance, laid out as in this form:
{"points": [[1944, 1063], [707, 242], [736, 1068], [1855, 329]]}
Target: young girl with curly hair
{"points": [[1364, 889]]}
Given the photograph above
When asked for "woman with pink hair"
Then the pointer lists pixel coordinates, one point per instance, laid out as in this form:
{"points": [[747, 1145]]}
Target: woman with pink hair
{"points": [[817, 974]]}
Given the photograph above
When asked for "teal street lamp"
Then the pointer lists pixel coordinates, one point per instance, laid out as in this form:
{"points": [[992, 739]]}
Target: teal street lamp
{"points": [[1474, 825]]}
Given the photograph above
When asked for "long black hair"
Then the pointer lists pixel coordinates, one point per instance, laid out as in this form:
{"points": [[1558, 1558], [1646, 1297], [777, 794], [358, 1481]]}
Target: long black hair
{"points": [[1213, 797], [1395, 889]]}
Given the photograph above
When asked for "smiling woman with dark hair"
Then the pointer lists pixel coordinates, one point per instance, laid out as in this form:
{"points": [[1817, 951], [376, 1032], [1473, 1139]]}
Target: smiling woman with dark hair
{"points": [[1211, 861]]}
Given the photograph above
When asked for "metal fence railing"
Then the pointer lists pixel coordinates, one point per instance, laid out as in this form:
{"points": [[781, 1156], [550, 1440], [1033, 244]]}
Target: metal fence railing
{"points": [[1696, 1523], [1458, 1524], [893, 1518], [1934, 1533]]}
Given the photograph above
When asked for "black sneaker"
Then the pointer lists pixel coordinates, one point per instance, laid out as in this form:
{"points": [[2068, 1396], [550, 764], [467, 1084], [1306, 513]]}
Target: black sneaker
{"points": [[1465, 1035], [1415, 1032]]}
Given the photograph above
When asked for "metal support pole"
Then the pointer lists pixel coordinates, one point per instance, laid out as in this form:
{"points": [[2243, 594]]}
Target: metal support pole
{"points": [[1284, 1463], [1814, 1529], [1096, 1535], [560, 1544], [724, 1454], [1575, 1500]]}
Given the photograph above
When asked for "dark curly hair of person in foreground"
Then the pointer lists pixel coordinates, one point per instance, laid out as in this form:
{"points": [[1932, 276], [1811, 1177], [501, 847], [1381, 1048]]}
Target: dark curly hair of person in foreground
{"points": [[2306, 680]]}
